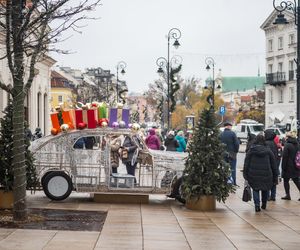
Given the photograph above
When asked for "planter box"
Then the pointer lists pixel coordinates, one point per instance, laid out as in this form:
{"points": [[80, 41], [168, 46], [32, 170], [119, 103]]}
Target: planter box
{"points": [[204, 203], [6, 199]]}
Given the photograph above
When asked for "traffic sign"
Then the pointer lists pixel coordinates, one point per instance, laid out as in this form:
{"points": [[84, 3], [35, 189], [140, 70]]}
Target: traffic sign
{"points": [[222, 110]]}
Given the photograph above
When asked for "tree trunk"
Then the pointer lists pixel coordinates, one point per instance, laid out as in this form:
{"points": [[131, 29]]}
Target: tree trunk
{"points": [[19, 167]]}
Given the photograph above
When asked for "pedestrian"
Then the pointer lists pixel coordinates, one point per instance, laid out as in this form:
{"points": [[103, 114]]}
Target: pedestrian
{"points": [[37, 134], [289, 170], [171, 143], [229, 138], [130, 146], [152, 141], [181, 140], [270, 136], [115, 144], [250, 140], [260, 171]]}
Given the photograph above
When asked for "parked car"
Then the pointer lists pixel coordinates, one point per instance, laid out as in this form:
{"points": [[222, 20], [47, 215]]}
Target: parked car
{"points": [[80, 160], [248, 126]]}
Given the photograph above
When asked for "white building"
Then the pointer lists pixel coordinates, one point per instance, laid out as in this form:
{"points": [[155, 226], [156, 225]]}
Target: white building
{"points": [[37, 102], [281, 45]]}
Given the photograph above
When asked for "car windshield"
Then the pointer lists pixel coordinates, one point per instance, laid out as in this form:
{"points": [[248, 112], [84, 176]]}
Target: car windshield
{"points": [[257, 128]]}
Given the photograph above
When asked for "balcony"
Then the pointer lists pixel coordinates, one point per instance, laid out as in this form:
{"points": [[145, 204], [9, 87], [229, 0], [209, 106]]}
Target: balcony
{"points": [[276, 79]]}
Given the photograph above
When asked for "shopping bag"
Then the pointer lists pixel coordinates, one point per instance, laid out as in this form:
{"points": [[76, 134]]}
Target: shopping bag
{"points": [[247, 195]]}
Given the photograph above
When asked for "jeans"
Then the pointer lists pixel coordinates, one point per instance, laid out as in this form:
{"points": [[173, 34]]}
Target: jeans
{"points": [[272, 192], [131, 169], [256, 198], [233, 170]]}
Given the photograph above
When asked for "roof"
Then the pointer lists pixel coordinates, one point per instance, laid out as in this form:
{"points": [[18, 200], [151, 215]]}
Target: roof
{"points": [[236, 83], [59, 81], [271, 18]]}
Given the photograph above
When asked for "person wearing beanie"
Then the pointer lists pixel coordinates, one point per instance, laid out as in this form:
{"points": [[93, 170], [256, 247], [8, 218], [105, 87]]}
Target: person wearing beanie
{"points": [[182, 143], [171, 143]]}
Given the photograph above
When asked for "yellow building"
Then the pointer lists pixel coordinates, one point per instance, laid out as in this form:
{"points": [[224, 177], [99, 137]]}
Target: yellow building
{"points": [[63, 91]]}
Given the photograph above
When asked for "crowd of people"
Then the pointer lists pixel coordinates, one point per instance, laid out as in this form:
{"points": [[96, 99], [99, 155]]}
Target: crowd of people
{"points": [[267, 161]]}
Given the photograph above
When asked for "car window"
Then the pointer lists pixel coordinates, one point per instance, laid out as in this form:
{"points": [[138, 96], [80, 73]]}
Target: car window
{"points": [[243, 129], [257, 128], [88, 142]]}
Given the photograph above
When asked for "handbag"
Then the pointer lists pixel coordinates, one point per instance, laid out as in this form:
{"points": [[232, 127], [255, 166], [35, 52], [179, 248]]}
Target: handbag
{"points": [[247, 195], [123, 152]]}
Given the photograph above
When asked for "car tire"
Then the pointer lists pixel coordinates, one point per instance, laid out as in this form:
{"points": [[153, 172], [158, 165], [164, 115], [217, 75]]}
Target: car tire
{"points": [[43, 178], [57, 185], [177, 191]]}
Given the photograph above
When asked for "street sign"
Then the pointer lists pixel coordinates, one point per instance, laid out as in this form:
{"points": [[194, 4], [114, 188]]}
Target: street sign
{"points": [[222, 110]]}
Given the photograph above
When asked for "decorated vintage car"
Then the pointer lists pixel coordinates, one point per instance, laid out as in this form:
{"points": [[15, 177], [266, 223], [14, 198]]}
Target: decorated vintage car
{"points": [[80, 160]]}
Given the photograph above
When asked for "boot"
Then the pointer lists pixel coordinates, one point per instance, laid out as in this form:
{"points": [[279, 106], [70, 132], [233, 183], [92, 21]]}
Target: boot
{"points": [[264, 206], [287, 197], [257, 209]]}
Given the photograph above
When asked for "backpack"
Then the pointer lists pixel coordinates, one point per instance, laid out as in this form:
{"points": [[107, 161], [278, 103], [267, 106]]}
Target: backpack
{"points": [[297, 159]]}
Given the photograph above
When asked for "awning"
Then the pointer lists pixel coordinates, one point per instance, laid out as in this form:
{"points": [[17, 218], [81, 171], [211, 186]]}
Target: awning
{"points": [[277, 115]]}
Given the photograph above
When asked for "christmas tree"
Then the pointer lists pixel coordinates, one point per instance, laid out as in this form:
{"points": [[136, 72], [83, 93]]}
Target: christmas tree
{"points": [[206, 172], [6, 147]]}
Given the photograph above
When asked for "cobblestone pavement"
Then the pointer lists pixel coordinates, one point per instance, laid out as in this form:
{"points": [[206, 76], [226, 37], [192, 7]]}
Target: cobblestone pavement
{"points": [[166, 224]]}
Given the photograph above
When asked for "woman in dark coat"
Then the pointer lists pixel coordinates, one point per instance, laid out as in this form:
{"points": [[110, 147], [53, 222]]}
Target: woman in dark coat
{"points": [[289, 170], [171, 143], [270, 136], [260, 170], [131, 147]]}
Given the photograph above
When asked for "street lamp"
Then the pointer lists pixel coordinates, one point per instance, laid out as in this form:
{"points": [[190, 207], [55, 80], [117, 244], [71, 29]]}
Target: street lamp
{"points": [[162, 64], [293, 7], [174, 34], [120, 66], [210, 62]]}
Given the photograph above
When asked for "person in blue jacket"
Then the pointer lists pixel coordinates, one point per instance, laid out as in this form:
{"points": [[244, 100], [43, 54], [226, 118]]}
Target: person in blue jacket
{"points": [[182, 144]]}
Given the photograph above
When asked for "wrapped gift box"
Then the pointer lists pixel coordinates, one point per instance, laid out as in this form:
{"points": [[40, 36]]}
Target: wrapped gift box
{"points": [[92, 117], [78, 117], [55, 121], [102, 111], [117, 115], [68, 118]]}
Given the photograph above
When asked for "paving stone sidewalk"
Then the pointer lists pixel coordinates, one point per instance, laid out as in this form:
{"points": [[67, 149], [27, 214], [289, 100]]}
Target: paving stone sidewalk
{"points": [[166, 224]]}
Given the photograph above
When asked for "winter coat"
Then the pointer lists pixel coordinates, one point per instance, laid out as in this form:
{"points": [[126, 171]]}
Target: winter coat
{"points": [[270, 136], [229, 138], [171, 143], [289, 169], [260, 168], [131, 147], [182, 143], [152, 141], [115, 144]]}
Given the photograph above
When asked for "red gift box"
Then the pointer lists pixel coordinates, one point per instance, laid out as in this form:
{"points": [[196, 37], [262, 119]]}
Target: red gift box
{"points": [[91, 118]]}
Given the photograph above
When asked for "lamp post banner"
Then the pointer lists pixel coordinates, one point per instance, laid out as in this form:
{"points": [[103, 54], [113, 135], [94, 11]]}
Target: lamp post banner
{"points": [[190, 122]]}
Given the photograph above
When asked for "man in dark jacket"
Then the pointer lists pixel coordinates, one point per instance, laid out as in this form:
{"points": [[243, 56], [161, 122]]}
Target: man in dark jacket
{"points": [[260, 170], [289, 170], [171, 143], [229, 138], [270, 136]]}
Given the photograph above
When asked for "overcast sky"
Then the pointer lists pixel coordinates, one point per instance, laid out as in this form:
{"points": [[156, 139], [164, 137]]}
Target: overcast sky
{"points": [[135, 31]]}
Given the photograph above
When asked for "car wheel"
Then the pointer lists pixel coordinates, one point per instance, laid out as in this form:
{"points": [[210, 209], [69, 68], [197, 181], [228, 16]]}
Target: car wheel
{"points": [[57, 185], [43, 178], [177, 191]]}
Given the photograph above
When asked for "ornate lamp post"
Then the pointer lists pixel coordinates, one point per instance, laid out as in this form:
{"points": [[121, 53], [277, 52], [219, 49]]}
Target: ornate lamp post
{"points": [[293, 7], [161, 62], [210, 62], [120, 66]]}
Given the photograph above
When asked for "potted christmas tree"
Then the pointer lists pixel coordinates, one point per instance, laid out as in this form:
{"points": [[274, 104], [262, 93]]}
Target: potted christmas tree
{"points": [[206, 174], [6, 169]]}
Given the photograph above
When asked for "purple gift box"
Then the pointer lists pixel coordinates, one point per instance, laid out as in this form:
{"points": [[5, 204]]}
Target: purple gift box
{"points": [[117, 115]]}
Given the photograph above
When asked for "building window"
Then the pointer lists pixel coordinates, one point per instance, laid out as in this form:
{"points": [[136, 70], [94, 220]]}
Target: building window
{"points": [[270, 95], [291, 70], [60, 98], [39, 110], [270, 45], [280, 97], [291, 39], [280, 43], [280, 67], [291, 94], [270, 68]]}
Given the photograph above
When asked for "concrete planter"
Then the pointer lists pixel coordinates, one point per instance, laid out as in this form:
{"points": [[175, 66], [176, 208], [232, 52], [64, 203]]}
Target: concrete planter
{"points": [[6, 199], [204, 203]]}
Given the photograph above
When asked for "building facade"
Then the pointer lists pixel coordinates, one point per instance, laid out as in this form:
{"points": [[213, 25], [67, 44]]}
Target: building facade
{"points": [[280, 87], [37, 101]]}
